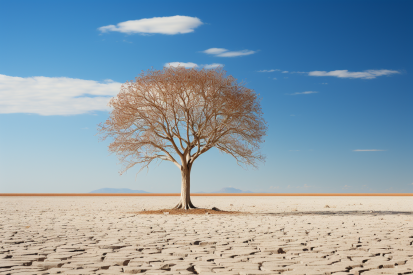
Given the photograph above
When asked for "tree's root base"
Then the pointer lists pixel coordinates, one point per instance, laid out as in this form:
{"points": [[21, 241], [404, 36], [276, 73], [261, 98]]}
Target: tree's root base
{"points": [[186, 206], [193, 211]]}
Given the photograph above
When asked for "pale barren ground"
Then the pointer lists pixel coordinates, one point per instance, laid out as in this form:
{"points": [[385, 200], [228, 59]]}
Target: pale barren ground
{"points": [[283, 235]]}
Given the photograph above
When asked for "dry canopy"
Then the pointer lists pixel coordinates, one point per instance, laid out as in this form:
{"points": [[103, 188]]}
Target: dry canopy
{"points": [[177, 114]]}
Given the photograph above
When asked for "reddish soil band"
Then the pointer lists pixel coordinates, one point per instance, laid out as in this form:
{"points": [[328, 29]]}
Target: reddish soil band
{"points": [[204, 194]]}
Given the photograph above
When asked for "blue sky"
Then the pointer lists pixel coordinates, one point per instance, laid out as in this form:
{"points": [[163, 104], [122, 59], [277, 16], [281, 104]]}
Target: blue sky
{"points": [[334, 78]]}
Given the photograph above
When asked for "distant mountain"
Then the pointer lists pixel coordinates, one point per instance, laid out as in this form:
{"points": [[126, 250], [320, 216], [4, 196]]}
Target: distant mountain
{"points": [[117, 190], [231, 190]]}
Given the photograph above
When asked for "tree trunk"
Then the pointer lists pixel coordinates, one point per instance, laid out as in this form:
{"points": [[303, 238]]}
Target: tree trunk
{"points": [[185, 201]]}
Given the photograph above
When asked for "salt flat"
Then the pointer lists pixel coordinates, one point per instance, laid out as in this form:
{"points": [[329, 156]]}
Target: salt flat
{"points": [[282, 235]]}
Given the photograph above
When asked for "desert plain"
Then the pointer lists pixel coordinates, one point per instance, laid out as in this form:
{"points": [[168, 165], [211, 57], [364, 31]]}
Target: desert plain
{"points": [[276, 235]]}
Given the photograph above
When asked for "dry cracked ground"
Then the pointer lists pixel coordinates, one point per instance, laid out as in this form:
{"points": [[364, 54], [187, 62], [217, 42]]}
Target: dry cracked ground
{"points": [[281, 235]]}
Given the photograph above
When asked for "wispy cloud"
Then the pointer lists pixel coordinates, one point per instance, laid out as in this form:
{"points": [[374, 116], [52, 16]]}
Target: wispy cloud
{"points": [[193, 65], [212, 66], [368, 74], [181, 64], [163, 25], [305, 186], [282, 71], [269, 71], [54, 95], [221, 52], [368, 150], [304, 93], [215, 51], [346, 187]]}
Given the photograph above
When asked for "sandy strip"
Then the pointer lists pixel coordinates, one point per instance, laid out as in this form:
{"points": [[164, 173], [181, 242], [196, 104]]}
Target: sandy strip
{"points": [[283, 235]]}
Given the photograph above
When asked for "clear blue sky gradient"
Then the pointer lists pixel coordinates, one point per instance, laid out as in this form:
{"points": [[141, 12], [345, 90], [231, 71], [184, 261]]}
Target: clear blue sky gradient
{"points": [[312, 137]]}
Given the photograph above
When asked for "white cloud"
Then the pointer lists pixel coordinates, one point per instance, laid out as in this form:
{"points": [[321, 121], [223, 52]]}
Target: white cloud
{"points": [[215, 51], [284, 72], [181, 64], [368, 74], [54, 95], [237, 53], [346, 187], [193, 65], [163, 25], [212, 66], [305, 93], [269, 71], [368, 150], [225, 53]]}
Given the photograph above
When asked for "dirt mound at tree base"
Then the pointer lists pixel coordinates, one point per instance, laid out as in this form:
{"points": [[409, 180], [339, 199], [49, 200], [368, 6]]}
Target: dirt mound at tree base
{"points": [[196, 211]]}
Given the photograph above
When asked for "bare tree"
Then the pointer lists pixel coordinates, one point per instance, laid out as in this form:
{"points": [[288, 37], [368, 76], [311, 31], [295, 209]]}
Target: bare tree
{"points": [[178, 114]]}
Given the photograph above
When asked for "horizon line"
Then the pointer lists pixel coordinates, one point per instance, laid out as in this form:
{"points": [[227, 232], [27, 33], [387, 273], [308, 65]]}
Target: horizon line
{"points": [[203, 194]]}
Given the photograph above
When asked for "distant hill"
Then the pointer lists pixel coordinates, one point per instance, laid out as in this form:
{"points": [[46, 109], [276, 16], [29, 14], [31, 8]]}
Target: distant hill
{"points": [[117, 190], [231, 190]]}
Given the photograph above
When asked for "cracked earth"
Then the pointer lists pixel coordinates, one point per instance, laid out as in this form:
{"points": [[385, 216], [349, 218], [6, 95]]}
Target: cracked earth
{"points": [[280, 235]]}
